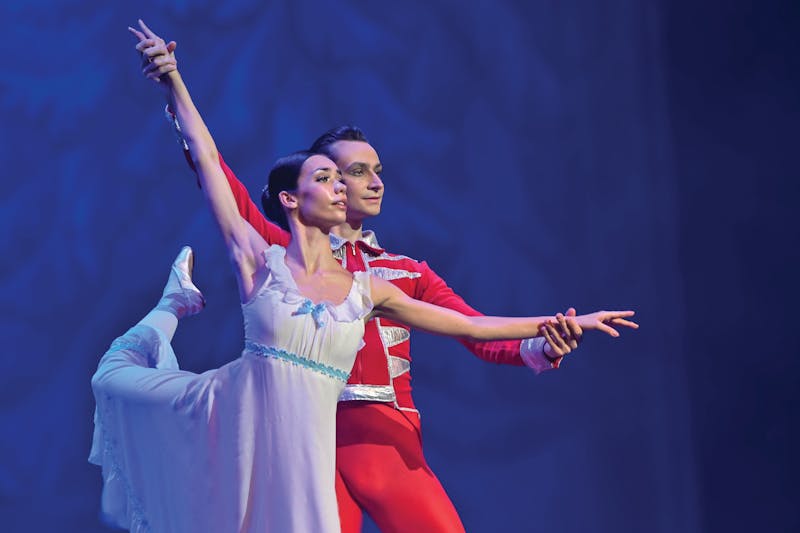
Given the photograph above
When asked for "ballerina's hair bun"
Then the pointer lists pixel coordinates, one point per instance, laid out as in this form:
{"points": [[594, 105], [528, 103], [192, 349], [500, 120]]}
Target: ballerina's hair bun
{"points": [[283, 177]]}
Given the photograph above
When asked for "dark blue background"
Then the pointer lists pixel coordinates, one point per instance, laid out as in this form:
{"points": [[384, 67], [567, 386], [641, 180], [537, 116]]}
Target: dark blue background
{"points": [[615, 154]]}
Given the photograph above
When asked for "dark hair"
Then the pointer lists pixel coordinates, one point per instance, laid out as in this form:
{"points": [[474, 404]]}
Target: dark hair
{"points": [[282, 177], [343, 133]]}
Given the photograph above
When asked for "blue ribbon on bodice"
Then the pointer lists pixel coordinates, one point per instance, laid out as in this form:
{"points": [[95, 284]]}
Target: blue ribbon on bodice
{"points": [[308, 308]]}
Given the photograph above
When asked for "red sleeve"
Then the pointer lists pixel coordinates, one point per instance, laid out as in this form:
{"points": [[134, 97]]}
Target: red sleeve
{"points": [[272, 233], [433, 289]]}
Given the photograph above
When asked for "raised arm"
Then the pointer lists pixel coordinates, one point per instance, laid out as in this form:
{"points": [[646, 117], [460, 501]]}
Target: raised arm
{"points": [[242, 248], [271, 233], [161, 56], [391, 302]]}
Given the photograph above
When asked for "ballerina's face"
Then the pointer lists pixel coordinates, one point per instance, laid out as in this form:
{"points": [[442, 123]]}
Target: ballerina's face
{"points": [[321, 194]]}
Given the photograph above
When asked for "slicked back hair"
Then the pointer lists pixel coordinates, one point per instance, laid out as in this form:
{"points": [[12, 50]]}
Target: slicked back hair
{"points": [[342, 133]]}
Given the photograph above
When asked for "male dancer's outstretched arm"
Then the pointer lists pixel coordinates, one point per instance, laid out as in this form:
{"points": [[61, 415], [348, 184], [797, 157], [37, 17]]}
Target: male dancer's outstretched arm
{"points": [[531, 352], [393, 303]]}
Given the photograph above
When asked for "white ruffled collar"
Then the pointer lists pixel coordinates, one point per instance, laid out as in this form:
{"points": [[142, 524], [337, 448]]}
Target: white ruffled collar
{"points": [[356, 305]]}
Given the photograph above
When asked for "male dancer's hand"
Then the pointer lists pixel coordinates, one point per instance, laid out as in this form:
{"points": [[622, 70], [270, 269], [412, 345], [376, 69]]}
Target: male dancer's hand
{"points": [[560, 343], [158, 56]]}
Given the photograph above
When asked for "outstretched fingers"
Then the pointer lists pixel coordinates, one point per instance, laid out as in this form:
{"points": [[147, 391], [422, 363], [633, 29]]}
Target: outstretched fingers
{"points": [[157, 56], [148, 39], [618, 318], [139, 35], [147, 31], [605, 328], [619, 314], [604, 320], [627, 323]]}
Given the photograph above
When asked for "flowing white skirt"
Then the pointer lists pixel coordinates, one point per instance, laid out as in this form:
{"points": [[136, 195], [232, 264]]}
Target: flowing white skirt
{"points": [[249, 446]]}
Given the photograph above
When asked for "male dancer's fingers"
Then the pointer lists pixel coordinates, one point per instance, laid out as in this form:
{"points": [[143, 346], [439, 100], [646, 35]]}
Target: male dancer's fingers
{"points": [[562, 342], [571, 337], [554, 340], [575, 328], [157, 55], [161, 61], [154, 72], [566, 333], [150, 69], [145, 49], [549, 339], [159, 49], [555, 335], [144, 44], [562, 322]]}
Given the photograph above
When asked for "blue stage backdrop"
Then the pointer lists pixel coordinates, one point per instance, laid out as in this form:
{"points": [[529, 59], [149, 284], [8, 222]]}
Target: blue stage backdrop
{"points": [[530, 159]]}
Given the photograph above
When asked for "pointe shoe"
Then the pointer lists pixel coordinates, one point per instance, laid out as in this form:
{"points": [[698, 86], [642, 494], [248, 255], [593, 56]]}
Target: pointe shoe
{"points": [[181, 296]]}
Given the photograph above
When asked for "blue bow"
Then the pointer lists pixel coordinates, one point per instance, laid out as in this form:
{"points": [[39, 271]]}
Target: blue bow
{"points": [[308, 307]]}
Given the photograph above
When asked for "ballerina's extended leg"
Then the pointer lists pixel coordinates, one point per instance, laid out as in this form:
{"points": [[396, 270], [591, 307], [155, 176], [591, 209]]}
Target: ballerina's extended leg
{"points": [[181, 298]]}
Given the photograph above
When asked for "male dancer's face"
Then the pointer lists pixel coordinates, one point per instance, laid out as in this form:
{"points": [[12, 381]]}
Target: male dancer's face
{"points": [[361, 171]]}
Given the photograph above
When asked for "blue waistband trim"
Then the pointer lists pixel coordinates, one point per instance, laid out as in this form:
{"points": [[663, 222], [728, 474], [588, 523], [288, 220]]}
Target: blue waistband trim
{"points": [[276, 353]]}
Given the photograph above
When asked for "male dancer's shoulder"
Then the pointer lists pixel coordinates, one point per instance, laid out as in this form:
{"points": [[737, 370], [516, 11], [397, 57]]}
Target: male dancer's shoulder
{"points": [[391, 266], [389, 256]]}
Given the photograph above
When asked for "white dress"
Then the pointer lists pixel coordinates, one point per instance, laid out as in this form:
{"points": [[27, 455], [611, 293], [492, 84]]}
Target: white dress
{"points": [[249, 446]]}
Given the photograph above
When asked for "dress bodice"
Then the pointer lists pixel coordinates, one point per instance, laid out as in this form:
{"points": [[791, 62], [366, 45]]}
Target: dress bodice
{"points": [[280, 322]]}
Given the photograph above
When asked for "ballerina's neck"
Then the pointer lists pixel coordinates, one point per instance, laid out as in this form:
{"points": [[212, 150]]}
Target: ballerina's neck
{"points": [[310, 255]]}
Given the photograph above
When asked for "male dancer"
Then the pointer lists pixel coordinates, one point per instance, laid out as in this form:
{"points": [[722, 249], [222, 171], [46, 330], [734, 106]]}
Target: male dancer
{"points": [[381, 468]]}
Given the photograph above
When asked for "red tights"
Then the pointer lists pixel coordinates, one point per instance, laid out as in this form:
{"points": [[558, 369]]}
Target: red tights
{"points": [[380, 470]]}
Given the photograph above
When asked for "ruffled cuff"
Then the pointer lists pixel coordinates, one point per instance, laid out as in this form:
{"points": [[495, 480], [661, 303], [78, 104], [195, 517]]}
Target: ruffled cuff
{"points": [[532, 353]]}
